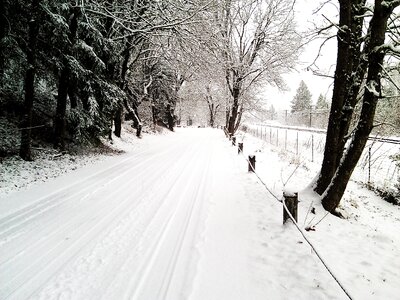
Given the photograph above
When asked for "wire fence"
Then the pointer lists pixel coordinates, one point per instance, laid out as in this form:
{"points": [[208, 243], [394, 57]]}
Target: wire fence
{"points": [[316, 118], [376, 168], [292, 218]]}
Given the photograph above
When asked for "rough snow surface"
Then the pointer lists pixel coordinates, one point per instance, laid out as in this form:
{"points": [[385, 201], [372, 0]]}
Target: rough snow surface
{"points": [[181, 218]]}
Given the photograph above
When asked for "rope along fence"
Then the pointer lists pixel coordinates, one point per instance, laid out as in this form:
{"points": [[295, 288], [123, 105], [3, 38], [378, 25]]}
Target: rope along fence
{"points": [[289, 212]]}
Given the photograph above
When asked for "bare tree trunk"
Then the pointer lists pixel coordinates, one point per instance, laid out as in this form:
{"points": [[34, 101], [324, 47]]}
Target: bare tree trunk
{"points": [[235, 106], [349, 41], [118, 122], [213, 109], [227, 114], [137, 123], [60, 122], [3, 33], [239, 119], [60, 118], [26, 122], [72, 95], [332, 196], [170, 117]]}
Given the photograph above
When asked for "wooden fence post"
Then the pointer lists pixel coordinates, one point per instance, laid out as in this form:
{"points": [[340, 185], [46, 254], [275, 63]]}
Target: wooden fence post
{"points": [[291, 201], [240, 148], [234, 141], [252, 163]]}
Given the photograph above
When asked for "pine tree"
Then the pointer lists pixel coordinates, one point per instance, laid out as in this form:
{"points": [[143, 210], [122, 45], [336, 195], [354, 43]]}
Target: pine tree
{"points": [[302, 100], [321, 103]]}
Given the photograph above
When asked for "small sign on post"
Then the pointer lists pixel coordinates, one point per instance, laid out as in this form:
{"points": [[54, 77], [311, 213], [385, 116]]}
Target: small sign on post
{"points": [[252, 163], [240, 148], [234, 141], [291, 201]]}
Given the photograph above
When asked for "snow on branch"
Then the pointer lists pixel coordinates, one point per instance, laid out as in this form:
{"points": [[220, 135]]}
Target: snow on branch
{"points": [[390, 78], [371, 87], [390, 4], [388, 48]]}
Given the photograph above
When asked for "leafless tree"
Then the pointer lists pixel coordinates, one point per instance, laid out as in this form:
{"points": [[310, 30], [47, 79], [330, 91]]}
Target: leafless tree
{"points": [[258, 42], [359, 72]]}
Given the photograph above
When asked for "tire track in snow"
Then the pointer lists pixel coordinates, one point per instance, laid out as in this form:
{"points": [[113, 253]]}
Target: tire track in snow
{"points": [[113, 216], [129, 243], [156, 276], [100, 179], [11, 250]]}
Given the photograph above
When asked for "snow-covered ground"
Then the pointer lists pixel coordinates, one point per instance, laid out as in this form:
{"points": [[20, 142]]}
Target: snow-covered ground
{"points": [[179, 217], [376, 166]]}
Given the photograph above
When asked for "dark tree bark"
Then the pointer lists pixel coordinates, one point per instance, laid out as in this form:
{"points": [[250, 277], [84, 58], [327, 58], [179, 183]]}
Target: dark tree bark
{"points": [[346, 88], [60, 118], [111, 67], [137, 123], [118, 122], [60, 122], [170, 117], [85, 100], [133, 111], [3, 33], [73, 99], [233, 116], [213, 109], [26, 120], [332, 196]]}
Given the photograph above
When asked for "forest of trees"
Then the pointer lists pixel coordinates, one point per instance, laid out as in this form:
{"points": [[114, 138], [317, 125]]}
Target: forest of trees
{"points": [[72, 71]]}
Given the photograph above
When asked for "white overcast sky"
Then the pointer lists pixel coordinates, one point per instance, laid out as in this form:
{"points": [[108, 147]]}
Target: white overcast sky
{"points": [[326, 62]]}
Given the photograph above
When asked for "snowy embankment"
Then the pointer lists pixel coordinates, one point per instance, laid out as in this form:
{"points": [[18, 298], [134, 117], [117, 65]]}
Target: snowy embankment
{"points": [[179, 217]]}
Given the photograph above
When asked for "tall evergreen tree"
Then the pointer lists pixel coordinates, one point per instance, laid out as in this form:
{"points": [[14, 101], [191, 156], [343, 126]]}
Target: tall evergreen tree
{"points": [[31, 53], [302, 100], [321, 103]]}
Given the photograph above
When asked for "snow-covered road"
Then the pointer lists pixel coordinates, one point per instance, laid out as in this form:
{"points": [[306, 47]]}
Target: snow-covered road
{"points": [[120, 230], [179, 218]]}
